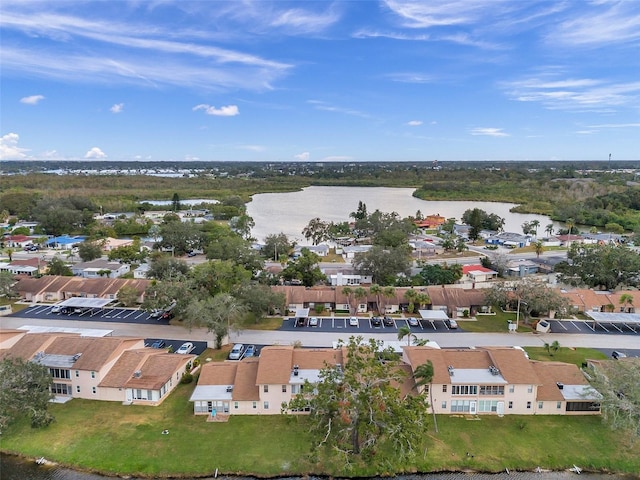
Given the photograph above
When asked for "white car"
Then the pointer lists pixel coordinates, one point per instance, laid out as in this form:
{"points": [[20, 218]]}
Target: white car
{"points": [[236, 352], [56, 309], [185, 348], [353, 322]]}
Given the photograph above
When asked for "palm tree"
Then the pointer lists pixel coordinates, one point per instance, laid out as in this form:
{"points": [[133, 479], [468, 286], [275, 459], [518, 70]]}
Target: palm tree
{"points": [[423, 299], [535, 224], [539, 247], [359, 293], [10, 251], [423, 374], [411, 295], [405, 331], [387, 293], [549, 229], [555, 346], [376, 290], [348, 292], [626, 300], [570, 224]]}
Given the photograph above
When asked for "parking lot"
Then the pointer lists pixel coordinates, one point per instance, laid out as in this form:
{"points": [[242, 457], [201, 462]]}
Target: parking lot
{"points": [[198, 347], [588, 326], [121, 315], [365, 325]]}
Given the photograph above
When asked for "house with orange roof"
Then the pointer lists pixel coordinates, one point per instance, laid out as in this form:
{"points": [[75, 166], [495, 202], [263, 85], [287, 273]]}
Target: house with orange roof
{"points": [[430, 221], [477, 274]]}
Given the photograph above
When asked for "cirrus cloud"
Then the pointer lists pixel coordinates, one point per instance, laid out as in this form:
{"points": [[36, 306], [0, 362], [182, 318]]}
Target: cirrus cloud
{"points": [[414, 123], [225, 111], [489, 132]]}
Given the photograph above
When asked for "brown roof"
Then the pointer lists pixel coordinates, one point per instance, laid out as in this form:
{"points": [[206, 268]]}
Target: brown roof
{"points": [[216, 373], [9, 334], [100, 287], [514, 366], [157, 370], [275, 365], [33, 343], [96, 352], [245, 387], [316, 358], [127, 364], [552, 373]]}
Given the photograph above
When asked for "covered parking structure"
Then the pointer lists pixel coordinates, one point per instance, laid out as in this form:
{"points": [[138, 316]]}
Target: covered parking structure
{"points": [[629, 320], [83, 304], [432, 315]]}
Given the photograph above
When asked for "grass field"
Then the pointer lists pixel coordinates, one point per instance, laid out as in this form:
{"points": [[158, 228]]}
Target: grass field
{"points": [[126, 440]]}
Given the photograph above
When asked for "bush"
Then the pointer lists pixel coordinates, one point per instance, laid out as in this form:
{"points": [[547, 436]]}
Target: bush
{"points": [[186, 378]]}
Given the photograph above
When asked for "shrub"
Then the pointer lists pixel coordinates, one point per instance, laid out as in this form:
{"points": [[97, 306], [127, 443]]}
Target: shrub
{"points": [[186, 378]]}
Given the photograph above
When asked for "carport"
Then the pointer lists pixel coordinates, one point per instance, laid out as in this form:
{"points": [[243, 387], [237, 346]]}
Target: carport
{"points": [[432, 315], [302, 314], [629, 320], [84, 303]]}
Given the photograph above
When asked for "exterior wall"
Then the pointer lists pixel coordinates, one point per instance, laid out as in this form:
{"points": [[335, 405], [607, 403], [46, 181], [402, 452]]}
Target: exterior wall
{"points": [[273, 397]]}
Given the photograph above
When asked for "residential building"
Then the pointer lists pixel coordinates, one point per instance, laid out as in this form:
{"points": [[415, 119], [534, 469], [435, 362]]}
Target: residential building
{"points": [[100, 268]]}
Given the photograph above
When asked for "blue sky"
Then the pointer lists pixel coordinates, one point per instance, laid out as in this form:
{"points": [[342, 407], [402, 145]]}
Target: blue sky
{"points": [[324, 81]]}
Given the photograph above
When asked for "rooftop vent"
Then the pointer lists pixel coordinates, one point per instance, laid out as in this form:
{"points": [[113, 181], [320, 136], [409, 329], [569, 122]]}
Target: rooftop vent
{"points": [[76, 357], [450, 368], [494, 370], [137, 374], [560, 385], [230, 389], [296, 369]]}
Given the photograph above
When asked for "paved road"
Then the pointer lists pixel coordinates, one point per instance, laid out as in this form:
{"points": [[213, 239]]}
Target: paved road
{"points": [[308, 337]]}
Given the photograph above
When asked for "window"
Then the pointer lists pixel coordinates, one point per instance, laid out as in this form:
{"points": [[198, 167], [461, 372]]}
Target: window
{"points": [[491, 390], [266, 389], [78, 388], [93, 390], [530, 389], [255, 404], [295, 389], [540, 405], [460, 406], [61, 389], [512, 388], [444, 405], [444, 388], [266, 405], [510, 404], [464, 389], [488, 406], [284, 389], [558, 405], [93, 374], [59, 373], [77, 373], [528, 404], [235, 405]]}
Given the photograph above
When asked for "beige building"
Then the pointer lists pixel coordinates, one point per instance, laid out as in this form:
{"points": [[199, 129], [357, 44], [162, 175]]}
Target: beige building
{"points": [[480, 381], [99, 368]]}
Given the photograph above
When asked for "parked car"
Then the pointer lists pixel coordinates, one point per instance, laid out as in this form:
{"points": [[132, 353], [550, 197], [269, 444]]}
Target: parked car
{"points": [[313, 321], [413, 322], [158, 344], [157, 313], [353, 322], [450, 323], [376, 322], [236, 352], [301, 322], [56, 309], [250, 351], [388, 321], [616, 354], [185, 348]]}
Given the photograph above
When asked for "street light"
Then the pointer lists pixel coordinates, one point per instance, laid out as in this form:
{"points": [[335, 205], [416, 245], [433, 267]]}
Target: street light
{"points": [[518, 312]]}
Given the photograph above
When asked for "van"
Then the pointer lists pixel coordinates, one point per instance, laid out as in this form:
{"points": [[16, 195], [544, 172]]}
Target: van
{"points": [[616, 355], [236, 352]]}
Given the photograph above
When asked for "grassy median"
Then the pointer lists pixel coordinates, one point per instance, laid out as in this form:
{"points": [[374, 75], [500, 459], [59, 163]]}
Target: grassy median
{"points": [[126, 440]]}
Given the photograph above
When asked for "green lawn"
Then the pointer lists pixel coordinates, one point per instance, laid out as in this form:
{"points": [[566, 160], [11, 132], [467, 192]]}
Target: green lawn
{"points": [[492, 323], [577, 356], [125, 440]]}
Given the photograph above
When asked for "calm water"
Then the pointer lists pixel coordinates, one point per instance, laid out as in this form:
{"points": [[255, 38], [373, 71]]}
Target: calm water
{"points": [[12, 468], [289, 213]]}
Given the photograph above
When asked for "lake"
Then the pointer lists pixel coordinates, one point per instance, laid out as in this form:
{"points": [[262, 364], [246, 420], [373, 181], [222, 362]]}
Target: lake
{"points": [[289, 213]]}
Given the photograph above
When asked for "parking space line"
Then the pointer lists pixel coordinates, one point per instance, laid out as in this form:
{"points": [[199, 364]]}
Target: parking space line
{"points": [[576, 326], [630, 328], [129, 314], [593, 328], [616, 327], [561, 324]]}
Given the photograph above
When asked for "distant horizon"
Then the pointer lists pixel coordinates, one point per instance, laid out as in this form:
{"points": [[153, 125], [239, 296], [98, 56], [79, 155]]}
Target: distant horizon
{"points": [[320, 81]]}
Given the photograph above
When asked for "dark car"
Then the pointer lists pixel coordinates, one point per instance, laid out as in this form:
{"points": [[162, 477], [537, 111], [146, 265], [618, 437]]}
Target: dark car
{"points": [[301, 321], [157, 344], [376, 322], [388, 322]]}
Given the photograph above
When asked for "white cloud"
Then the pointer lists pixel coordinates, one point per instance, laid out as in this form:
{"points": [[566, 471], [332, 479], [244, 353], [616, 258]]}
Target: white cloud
{"points": [[304, 156], [488, 131], [253, 148], [95, 153], [32, 100], [616, 125], [9, 149], [117, 108], [414, 123], [191, 158], [226, 111]]}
